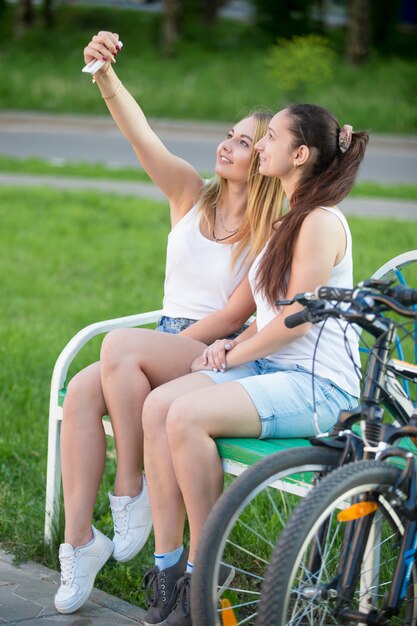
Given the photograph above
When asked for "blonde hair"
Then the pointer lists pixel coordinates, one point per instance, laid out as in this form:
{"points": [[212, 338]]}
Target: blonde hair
{"points": [[264, 204]]}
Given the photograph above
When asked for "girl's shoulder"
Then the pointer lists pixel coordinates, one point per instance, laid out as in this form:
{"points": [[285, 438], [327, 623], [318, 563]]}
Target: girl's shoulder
{"points": [[330, 216], [322, 226]]}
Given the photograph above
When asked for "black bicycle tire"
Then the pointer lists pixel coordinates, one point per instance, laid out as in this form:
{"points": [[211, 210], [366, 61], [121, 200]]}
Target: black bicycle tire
{"points": [[246, 485], [273, 607]]}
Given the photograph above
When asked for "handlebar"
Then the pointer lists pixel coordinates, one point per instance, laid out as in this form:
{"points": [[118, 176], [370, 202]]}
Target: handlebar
{"points": [[326, 292], [405, 295], [367, 300], [297, 318]]}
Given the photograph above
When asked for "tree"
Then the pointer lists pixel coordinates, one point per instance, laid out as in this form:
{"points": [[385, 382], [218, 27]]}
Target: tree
{"points": [[283, 18], [48, 13], [210, 10], [359, 31], [24, 17], [171, 26]]}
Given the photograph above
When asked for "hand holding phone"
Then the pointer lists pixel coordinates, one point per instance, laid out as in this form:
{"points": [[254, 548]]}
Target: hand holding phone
{"points": [[93, 66]]}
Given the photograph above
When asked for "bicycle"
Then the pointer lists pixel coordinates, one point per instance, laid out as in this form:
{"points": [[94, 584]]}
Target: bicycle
{"points": [[254, 500], [347, 554]]}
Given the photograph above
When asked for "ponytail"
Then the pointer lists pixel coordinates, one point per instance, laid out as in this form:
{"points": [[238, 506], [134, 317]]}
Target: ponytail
{"points": [[327, 181]]}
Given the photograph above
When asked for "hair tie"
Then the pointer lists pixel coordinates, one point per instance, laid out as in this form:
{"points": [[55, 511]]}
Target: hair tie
{"points": [[345, 137]]}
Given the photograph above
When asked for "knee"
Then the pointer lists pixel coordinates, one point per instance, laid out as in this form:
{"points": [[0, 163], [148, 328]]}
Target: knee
{"points": [[125, 347], [181, 422], [115, 349], [83, 394], [154, 414]]}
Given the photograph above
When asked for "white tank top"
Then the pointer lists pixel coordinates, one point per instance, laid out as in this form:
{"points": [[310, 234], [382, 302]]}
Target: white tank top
{"points": [[198, 276], [331, 359]]}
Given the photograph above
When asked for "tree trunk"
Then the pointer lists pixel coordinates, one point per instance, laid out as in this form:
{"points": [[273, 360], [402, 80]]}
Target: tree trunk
{"points": [[24, 17], [47, 13], [359, 34], [211, 10], [321, 12], [170, 27]]}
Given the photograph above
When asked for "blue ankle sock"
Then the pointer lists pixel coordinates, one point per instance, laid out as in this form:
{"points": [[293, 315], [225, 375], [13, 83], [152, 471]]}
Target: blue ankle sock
{"points": [[189, 567], [168, 559]]}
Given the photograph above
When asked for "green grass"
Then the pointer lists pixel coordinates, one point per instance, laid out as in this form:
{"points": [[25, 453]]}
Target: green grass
{"points": [[217, 75], [101, 171], [69, 259], [69, 168]]}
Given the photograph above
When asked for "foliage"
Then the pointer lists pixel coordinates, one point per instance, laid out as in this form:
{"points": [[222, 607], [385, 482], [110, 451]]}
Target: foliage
{"points": [[283, 18], [301, 62], [218, 74], [384, 24]]}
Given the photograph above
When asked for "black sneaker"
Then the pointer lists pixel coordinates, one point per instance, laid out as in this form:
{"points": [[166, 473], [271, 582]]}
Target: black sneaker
{"points": [[181, 613], [161, 590]]}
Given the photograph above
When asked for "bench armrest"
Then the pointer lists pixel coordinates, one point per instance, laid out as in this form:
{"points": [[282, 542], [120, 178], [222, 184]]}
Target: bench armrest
{"points": [[79, 340]]}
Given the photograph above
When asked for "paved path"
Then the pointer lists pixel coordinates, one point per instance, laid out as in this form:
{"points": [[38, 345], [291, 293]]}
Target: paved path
{"points": [[27, 592], [389, 159]]}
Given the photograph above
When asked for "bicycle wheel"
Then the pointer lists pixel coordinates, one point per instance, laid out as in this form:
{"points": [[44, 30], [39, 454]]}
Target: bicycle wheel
{"points": [[302, 582], [242, 531]]}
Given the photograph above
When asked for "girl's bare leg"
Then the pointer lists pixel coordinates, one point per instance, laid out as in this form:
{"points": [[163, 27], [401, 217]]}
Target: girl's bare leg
{"points": [[193, 421], [83, 452], [133, 362], [168, 512]]}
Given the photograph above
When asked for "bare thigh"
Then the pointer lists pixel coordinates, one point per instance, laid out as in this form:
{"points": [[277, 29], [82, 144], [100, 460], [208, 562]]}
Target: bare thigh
{"points": [[221, 410], [224, 410], [160, 356]]}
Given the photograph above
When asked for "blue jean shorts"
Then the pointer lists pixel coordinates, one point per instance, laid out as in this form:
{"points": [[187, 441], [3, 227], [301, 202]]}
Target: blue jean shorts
{"points": [[175, 325], [283, 397]]}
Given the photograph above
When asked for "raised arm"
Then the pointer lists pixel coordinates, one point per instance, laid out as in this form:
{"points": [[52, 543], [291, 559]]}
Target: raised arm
{"points": [[176, 178]]}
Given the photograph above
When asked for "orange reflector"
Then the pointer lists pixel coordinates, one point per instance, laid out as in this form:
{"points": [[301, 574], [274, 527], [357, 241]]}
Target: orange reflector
{"points": [[228, 616], [356, 511]]}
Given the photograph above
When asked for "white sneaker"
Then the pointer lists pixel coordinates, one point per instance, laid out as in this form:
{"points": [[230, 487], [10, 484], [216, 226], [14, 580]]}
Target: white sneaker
{"points": [[132, 523], [79, 568]]}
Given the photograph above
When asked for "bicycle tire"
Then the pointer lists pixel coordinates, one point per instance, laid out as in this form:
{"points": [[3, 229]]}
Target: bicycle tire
{"points": [[240, 502], [290, 597]]}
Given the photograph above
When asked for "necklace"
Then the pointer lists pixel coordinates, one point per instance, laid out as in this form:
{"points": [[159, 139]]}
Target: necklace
{"points": [[231, 232], [222, 223], [216, 239]]}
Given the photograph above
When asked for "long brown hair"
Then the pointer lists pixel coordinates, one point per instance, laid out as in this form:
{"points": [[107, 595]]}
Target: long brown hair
{"points": [[325, 182], [264, 205]]}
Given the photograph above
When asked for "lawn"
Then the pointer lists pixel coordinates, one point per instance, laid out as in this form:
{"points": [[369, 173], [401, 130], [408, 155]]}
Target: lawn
{"points": [[217, 75], [68, 259]]}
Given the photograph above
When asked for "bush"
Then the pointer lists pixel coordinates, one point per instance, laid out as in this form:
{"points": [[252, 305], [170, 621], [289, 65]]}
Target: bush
{"points": [[300, 63]]}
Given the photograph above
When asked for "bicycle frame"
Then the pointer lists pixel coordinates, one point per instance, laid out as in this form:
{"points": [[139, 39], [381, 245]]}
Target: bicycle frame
{"points": [[380, 387]]}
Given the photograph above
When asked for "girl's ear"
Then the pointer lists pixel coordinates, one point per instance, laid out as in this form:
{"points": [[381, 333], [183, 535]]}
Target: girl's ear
{"points": [[301, 155]]}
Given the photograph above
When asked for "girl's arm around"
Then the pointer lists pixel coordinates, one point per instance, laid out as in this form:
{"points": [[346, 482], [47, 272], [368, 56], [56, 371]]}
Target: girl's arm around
{"points": [[320, 246], [228, 320]]}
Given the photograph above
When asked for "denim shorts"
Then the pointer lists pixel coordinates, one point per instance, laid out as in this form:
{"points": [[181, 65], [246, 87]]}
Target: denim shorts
{"points": [[283, 397], [175, 325]]}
